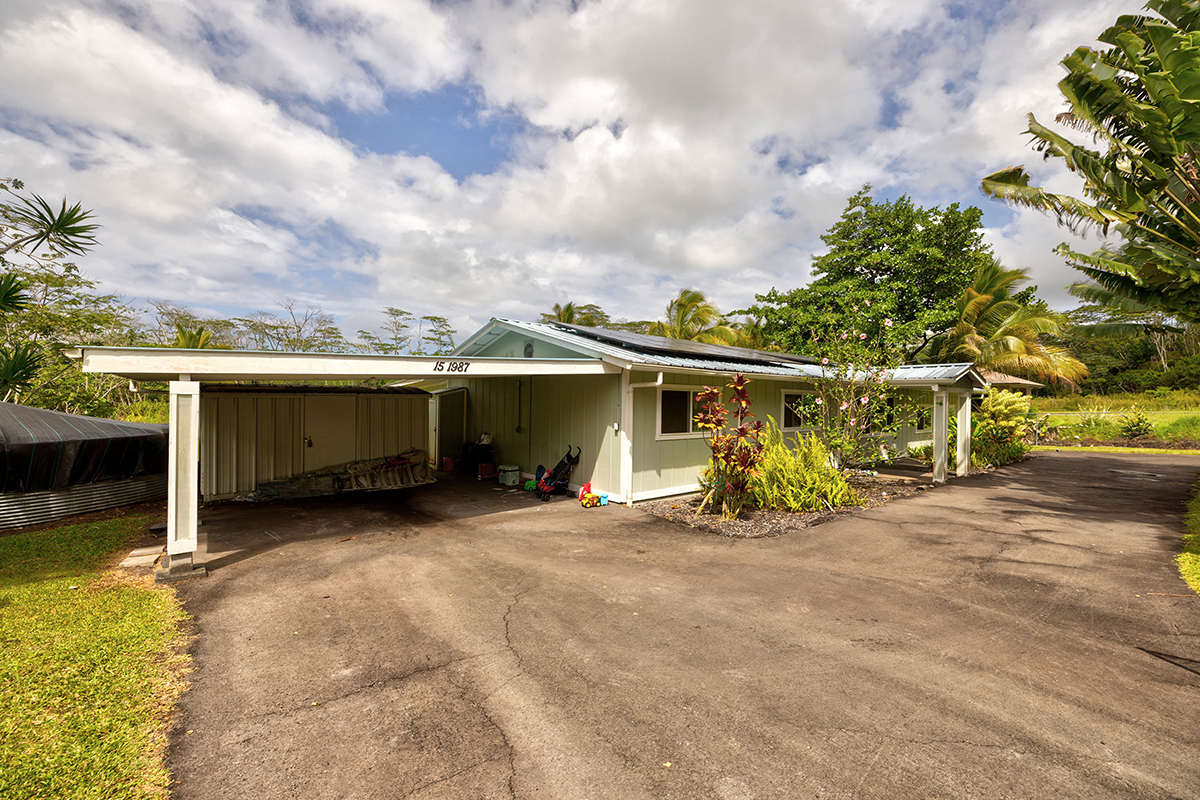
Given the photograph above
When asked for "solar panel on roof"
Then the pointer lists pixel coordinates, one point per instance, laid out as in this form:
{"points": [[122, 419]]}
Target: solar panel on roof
{"points": [[661, 344]]}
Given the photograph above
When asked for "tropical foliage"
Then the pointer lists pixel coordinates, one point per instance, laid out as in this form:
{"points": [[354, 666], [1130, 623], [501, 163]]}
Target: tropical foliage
{"points": [[995, 331], [797, 476], [854, 407], [910, 263], [1136, 100], [736, 449], [691, 316]]}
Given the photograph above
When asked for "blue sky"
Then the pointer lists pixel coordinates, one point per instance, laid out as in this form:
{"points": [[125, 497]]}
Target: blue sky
{"points": [[477, 159]]}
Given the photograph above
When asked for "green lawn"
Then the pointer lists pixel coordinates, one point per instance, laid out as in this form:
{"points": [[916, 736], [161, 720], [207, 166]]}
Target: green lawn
{"points": [[1107, 449], [1189, 559], [90, 665]]}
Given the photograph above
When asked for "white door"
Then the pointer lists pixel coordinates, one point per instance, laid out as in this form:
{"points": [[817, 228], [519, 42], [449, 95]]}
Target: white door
{"points": [[329, 428]]}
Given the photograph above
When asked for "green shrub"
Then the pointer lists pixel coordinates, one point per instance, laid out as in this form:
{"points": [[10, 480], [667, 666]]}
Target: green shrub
{"points": [[1136, 424], [1004, 414], [1136, 380], [987, 452], [1183, 374], [145, 411], [799, 478], [1180, 429]]}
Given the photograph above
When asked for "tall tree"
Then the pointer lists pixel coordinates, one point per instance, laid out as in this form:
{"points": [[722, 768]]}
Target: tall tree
{"points": [[394, 337], [894, 260], [588, 314], [436, 335], [691, 316], [1136, 100]]}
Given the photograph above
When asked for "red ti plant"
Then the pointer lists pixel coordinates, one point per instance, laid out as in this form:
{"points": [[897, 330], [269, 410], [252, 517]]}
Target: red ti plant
{"points": [[736, 449]]}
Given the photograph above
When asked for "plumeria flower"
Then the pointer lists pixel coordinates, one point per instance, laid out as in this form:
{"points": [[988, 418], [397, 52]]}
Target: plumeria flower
{"points": [[887, 322]]}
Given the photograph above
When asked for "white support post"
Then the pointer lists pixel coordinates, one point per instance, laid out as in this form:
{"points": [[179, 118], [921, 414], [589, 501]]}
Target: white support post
{"points": [[964, 434], [183, 475], [626, 455], [941, 434]]}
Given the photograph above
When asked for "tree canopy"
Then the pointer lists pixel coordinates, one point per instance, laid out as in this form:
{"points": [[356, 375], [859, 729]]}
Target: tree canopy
{"points": [[890, 260], [1137, 101]]}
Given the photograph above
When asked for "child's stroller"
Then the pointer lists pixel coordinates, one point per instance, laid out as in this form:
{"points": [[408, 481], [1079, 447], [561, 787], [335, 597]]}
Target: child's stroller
{"points": [[556, 481]]}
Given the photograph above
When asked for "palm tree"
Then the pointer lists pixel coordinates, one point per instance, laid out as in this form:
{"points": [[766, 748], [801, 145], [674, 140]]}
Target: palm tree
{"points": [[192, 340], [565, 313], [12, 294], [996, 332], [1135, 100], [691, 316], [19, 365]]}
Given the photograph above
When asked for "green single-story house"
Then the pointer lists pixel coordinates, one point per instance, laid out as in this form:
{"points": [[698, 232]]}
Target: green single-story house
{"points": [[624, 400]]}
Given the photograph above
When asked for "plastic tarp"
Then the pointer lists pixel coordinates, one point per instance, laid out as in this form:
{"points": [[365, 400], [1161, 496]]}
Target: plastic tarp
{"points": [[42, 449]]}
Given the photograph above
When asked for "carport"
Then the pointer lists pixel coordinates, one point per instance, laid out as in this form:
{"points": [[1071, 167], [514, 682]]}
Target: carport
{"points": [[184, 370]]}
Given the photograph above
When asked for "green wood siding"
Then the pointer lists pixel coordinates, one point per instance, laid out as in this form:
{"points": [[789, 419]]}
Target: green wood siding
{"points": [[660, 465], [248, 439], [580, 410]]}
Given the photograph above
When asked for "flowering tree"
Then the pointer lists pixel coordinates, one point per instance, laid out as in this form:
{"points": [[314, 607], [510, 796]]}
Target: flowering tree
{"points": [[854, 406], [736, 449]]}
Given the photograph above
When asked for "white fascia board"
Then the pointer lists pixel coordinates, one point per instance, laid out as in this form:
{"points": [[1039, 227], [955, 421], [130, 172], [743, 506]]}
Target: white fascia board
{"points": [[156, 364]]}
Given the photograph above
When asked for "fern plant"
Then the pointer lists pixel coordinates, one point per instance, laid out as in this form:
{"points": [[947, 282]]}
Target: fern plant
{"points": [[798, 478]]}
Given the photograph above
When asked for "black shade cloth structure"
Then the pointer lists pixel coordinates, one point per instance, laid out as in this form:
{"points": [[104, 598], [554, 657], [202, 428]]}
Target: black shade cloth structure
{"points": [[42, 449]]}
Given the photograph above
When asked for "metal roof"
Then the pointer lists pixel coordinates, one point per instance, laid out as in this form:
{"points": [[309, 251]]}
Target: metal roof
{"points": [[655, 352], [933, 373], [650, 351]]}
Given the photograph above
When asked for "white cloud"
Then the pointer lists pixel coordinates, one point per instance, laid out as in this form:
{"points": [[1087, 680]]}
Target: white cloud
{"points": [[199, 131]]}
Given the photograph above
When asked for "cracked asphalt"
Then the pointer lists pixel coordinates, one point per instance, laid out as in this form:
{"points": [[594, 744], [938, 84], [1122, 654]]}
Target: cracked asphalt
{"points": [[1020, 634]]}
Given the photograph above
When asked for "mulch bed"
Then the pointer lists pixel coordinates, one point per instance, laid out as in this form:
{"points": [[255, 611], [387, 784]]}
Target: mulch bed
{"points": [[761, 523]]}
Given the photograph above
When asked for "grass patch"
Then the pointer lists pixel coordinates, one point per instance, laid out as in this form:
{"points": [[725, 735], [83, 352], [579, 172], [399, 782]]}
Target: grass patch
{"points": [[1176, 400], [1189, 559], [1046, 448], [87, 674], [1182, 428]]}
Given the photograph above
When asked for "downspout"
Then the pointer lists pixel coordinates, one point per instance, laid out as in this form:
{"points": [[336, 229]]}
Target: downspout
{"points": [[625, 428]]}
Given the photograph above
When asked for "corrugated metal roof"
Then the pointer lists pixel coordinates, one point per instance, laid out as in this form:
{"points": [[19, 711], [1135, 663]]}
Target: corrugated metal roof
{"points": [[638, 356], [930, 372]]}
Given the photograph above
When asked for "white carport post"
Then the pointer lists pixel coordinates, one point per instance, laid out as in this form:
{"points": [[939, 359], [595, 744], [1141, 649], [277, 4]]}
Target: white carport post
{"points": [[183, 481], [964, 434], [941, 433]]}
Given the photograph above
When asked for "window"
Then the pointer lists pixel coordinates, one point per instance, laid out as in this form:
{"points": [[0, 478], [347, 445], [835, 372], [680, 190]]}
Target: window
{"points": [[676, 412], [801, 411]]}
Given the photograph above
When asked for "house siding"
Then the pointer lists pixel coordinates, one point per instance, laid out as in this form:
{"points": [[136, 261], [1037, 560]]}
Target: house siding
{"points": [[248, 439], [554, 412]]}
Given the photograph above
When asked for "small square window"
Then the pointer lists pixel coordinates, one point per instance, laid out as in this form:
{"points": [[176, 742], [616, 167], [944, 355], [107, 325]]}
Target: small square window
{"points": [[800, 411], [676, 414]]}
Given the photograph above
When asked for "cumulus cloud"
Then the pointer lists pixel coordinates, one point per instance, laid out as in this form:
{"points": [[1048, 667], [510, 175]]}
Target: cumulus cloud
{"points": [[664, 144]]}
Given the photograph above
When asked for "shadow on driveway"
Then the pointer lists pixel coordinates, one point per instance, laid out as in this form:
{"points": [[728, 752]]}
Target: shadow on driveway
{"points": [[1009, 635]]}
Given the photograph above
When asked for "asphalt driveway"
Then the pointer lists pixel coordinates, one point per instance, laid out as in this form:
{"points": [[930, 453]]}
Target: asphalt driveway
{"points": [[1014, 635]]}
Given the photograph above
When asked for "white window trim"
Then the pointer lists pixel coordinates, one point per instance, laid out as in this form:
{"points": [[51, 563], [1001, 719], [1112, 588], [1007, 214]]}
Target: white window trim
{"points": [[783, 393], [691, 393]]}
